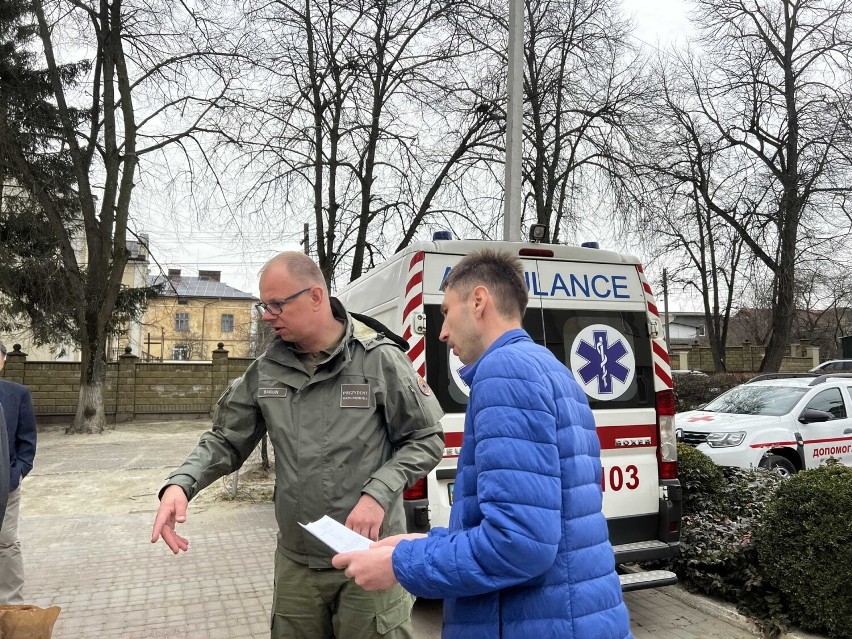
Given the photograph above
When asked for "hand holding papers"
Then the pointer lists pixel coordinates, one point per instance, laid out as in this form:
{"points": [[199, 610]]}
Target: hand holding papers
{"points": [[336, 536]]}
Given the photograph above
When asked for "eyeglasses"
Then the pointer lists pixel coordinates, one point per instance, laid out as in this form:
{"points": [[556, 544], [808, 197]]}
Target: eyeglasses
{"points": [[276, 307]]}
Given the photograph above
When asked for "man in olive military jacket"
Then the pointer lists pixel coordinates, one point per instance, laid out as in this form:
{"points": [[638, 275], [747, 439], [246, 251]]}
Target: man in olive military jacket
{"points": [[351, 425]]}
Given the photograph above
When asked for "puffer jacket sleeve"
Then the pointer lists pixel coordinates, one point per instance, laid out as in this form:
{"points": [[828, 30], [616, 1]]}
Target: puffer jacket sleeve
{"points": [[518, 489]]}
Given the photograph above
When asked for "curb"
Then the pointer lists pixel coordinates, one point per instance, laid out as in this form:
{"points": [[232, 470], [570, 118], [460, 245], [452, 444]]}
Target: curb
{"points": [[727, 612], [721, 610]]}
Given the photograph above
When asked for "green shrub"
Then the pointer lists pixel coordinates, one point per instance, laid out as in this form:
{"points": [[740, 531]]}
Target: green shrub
{"points": [[702, 481], [721, 507], [692, 391], [804, 546], [746, 492]]}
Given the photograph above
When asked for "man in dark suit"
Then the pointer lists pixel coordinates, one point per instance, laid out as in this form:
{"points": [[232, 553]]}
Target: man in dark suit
{"points": [[17, 404], [4, 467]]}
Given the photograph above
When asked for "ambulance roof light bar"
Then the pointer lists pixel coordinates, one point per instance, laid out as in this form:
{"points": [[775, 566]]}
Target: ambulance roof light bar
{"points": [[442, 235]]}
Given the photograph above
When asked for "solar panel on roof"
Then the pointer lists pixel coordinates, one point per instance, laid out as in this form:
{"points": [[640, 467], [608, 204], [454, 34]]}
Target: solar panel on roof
{"points": [[196, 287]]}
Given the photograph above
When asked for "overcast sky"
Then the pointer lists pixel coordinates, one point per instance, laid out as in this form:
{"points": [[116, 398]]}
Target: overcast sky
{"points": [[658, 21], [177, 240]]}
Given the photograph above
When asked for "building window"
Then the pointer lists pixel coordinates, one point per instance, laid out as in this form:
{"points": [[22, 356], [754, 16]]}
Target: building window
{"points": [[702, 330], [227, 323], [180, 351], [181, 321]]}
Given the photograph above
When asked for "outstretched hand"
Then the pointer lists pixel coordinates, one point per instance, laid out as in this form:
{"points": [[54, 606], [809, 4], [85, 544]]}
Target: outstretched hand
{"points": [[172, 511]]}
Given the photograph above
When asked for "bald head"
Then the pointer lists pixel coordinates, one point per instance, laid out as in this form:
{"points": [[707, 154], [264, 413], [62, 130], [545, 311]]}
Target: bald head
{"points": [[301, 269]]}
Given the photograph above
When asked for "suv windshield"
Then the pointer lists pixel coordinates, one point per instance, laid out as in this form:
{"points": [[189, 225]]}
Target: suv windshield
{"points": [[757, 400]]}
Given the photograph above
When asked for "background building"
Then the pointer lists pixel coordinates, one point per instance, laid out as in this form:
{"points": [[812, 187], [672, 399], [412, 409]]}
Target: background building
{"points": [[686, 328], [193, 314]]}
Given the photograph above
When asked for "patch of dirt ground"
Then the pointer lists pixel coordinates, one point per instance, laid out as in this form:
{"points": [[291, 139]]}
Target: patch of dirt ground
{"points": [[123, 469]]}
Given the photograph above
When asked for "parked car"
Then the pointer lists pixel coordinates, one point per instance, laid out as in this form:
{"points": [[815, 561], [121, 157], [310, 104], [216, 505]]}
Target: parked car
{"points": [[786, 422], [834, 366], [682, 372]]}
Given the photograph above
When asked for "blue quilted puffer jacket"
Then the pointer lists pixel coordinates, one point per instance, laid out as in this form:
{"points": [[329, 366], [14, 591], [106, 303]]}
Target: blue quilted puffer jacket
{"points": [[527, 553]]}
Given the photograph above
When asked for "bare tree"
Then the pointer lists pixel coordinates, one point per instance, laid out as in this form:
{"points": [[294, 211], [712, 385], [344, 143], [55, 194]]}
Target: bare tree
{"points": [[157, 70], [773, 85], [690, 173], [824, 295], [582, 87], [582, 84], [365, 117]]}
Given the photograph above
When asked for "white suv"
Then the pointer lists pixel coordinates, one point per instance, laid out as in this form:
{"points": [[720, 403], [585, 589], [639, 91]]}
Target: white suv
{"points": [[833, 366], [787, 422]]}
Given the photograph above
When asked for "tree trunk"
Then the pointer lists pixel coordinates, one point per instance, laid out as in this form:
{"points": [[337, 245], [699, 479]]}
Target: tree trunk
{"points": [[782, 320], [264, 453], [91, 415]]}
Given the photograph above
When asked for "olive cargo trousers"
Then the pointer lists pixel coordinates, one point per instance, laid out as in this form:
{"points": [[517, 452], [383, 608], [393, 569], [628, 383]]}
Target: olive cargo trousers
{"points": [[324, 604]]}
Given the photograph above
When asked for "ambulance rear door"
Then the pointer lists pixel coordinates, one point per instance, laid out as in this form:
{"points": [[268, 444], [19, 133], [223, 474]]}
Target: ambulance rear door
{"points": [[595, 322], [443, 375]]}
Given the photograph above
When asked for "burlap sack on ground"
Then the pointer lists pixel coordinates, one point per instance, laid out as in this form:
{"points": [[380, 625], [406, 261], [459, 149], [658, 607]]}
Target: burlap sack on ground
{"points": [[27, 622]]}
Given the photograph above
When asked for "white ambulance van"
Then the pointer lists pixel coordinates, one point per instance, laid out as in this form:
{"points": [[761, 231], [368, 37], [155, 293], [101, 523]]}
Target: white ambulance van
{"points": [[595, 311]]}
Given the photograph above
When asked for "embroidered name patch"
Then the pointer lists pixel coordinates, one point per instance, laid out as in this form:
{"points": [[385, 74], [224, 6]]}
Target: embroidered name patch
{"points": [[354, 396], [272, 392]]}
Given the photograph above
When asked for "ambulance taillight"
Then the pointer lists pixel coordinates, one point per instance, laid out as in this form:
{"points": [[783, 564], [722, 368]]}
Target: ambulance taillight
{"points": [[667, 452], [417, 491]]}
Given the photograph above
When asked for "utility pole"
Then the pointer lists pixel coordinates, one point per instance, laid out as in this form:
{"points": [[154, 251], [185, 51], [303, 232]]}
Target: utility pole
{"points": [[514, 124], [306, 239], [666, 304]]}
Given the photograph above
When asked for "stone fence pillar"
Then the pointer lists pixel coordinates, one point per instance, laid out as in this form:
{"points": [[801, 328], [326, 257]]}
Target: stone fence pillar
{"points": [[219, 375], [125, 387], [16, 364], [749, 353], [813, 353]]}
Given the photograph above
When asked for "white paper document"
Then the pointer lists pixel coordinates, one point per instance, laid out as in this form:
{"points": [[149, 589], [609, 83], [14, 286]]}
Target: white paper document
{"points": [[336, 536]]}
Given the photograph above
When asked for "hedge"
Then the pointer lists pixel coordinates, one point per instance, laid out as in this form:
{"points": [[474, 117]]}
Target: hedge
{"points": [[780, 549], [691, 391], [721, 508], [804, 546]]}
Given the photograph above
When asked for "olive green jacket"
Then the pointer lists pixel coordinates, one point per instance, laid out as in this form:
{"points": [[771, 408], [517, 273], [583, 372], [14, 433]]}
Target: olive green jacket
{"points": [[363, 423]]}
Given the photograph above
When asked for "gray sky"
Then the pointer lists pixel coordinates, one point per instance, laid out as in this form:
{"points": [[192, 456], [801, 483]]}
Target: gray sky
{"points": [[658, 22], [180, 241]]}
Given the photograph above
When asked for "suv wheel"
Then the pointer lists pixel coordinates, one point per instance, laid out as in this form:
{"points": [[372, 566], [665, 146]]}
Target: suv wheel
{"points": [[780, 465]]}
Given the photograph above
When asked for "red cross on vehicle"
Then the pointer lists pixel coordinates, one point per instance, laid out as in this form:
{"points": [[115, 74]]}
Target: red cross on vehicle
{"points": [[704, 418]]}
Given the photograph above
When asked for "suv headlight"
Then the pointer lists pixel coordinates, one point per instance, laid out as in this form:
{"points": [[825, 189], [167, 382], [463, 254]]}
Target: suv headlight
{"points": [[724, 440]]}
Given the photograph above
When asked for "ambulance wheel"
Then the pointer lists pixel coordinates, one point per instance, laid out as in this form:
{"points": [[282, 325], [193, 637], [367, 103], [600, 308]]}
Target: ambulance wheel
{"points": [[780, 465]]}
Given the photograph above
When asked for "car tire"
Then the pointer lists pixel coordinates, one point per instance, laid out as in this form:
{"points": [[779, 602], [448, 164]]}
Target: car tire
{"points": [[780, 465]]}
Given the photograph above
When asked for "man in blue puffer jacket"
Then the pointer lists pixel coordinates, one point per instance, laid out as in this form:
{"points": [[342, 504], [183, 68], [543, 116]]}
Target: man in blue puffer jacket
{"points": [[527, 554]]}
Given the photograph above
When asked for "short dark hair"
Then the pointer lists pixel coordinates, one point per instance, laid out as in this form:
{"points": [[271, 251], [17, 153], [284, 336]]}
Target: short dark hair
{"points": [[500, 273]]}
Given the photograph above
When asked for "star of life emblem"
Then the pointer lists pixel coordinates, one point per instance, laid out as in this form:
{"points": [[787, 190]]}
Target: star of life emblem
{"points": [[602, 361], [456, 370]]}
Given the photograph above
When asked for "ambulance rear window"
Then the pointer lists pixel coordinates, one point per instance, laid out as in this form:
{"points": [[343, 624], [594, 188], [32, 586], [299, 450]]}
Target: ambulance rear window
{"points": [[609, 351]]}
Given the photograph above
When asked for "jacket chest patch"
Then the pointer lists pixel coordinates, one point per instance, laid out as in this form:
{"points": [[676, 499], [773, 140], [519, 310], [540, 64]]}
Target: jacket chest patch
{"points": [[272, 392], [354, 396]]}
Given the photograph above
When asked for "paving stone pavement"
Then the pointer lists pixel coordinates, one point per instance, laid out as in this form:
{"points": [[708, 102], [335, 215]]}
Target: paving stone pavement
{"points": [[86, 531]]}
